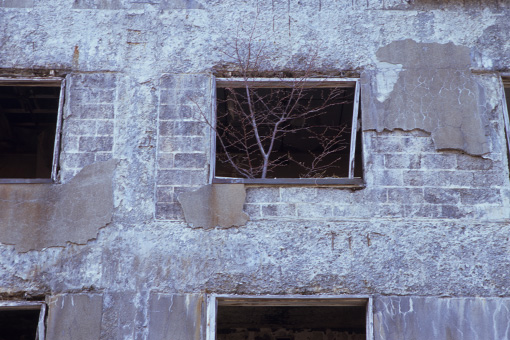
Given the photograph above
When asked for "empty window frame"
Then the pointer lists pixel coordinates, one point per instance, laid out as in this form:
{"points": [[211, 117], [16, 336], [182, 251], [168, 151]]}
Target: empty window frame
{"points": [[30, 125], [506, 116], [232, 317], [21, 320], [286, 131]]}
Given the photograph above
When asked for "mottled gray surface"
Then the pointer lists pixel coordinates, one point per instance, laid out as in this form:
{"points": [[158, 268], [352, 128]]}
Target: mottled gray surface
{"points": [[17, 3], [120, 313], [419, 318], [37, 216], [175, 317], [215, 205], [434, 91], [428, 223], [275, 257], [97, 4], [74, 317]]}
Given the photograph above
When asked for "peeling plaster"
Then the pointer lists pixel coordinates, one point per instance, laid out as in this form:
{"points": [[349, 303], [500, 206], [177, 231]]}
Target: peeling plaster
{"points": [[431, 88], [215, 205], [37, 216], [386, 79]]}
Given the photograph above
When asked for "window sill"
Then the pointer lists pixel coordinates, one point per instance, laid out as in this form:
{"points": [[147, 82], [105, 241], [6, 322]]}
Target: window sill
{"points": [[26, 181], [350, 183]]}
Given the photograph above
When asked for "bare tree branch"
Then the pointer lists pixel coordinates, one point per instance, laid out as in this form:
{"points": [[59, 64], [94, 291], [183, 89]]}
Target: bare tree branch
{"points": [[263, 132]]}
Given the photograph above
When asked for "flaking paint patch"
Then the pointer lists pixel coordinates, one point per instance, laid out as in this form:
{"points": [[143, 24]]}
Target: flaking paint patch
{"points": [[215, 205], [386, 79], [434, 91], [38, 216]]}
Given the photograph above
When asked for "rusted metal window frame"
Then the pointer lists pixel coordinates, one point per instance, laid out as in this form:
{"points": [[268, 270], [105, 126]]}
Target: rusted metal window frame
{"points": [[348, 182], [41, 82], [29, 305], [214, 300]]}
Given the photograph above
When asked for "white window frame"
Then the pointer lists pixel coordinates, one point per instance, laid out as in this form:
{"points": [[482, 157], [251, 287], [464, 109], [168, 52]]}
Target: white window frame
{"points": [[41, 82], [349, 181], [214, 300], [28, 305]]}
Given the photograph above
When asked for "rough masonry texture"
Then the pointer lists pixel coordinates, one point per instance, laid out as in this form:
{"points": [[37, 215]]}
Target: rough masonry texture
{"points": [[112, 247]]}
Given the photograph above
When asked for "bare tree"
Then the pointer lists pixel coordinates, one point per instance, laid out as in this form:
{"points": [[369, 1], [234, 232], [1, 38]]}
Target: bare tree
{"points": [[259, 126]]}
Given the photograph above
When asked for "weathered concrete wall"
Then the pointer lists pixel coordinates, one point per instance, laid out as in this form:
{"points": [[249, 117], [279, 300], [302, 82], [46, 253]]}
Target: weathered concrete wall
{"points": [[275, 256], [428, 87], [445, 318], [215, 205], [432, 221], [37, 216], [176, 317], [74, 316]]}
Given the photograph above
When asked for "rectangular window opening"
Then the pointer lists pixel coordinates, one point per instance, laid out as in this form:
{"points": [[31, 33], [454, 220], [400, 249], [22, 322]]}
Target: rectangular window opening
{"points": [[286, 131], [22, 320], [30, 124], [289, 318]]}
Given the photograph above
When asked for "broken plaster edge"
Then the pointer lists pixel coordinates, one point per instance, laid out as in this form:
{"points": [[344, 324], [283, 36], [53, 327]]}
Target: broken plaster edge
{"points": [[56, 225], [215, 206]]}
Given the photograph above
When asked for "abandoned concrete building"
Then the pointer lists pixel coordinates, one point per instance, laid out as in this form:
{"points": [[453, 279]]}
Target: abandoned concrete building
{"points": [[264, 169]]}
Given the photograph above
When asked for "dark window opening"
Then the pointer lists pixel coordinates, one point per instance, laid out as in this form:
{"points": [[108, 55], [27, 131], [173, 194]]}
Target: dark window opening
{"points": [[287, 132], [291, 322], [18, 324], [28, 124]]}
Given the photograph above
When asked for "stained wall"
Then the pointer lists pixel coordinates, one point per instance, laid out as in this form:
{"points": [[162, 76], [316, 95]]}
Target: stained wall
{"points": [[430, 226]]}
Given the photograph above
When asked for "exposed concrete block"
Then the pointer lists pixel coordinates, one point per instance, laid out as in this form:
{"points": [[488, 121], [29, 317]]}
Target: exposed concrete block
{"points": [[37, 216], [427, 87], [181, 4], [175, 317], [215, 205], [97, 4], [17, 3], [74, 317], [419, 318]]}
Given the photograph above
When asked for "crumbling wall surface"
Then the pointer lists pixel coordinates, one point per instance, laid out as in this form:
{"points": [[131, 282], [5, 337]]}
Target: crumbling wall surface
{"points": [[89, 121], [278, 257], [433, 90], [138, 267], [428, 223], [181, 316], [193, 36], [37, 216], [422, 318], [183, 148], [491, 51]]}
